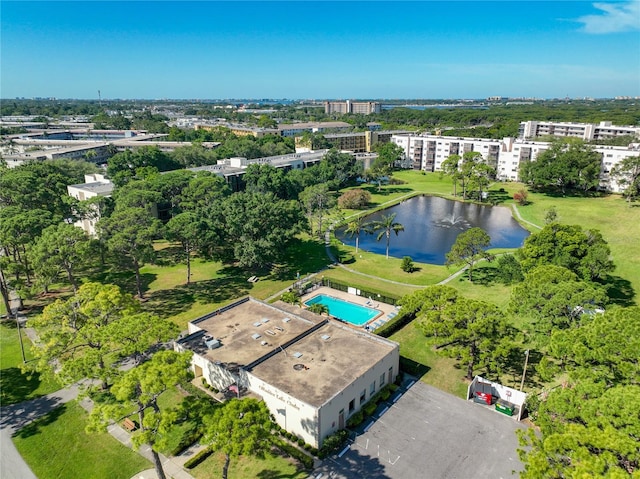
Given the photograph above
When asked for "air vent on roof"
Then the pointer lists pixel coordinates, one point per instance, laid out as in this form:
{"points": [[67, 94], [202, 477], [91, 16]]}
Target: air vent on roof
{"points": [[325, 337], [264, 343], [286, 320], [257, 323], [256, 336], [297, 355], [265, 320]]}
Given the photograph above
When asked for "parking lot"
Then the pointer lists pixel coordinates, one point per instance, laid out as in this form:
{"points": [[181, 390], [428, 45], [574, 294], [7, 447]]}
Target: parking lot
{"points": [[427, 433]]}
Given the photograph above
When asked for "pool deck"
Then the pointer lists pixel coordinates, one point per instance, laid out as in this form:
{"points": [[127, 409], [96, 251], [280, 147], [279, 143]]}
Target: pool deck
{"points": [[384, 309]]}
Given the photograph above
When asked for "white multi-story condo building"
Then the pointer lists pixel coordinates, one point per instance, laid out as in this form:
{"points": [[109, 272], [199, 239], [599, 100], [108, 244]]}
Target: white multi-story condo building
{"points": [[427, 152], [586, 131], [350, 106]]}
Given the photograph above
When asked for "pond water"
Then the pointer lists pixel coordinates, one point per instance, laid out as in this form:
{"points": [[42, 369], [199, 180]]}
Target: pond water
{"points": [[432, 224]]}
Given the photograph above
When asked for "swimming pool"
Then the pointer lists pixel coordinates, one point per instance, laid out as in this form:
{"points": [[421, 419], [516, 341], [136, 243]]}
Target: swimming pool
{"points": [[344, 310]]}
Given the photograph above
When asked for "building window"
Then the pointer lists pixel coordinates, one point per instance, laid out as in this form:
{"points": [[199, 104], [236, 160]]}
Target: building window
{"points": [[372, 388], [352, 405], [382, 380], [363, 396]]}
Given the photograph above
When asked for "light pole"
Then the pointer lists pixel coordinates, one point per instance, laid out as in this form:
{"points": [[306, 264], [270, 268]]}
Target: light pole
{"points": [[24, 359], [524, 371]]}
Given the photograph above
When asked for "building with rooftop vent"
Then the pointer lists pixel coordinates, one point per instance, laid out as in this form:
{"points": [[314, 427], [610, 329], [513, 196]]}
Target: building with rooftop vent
{"points": [[312, 372]]}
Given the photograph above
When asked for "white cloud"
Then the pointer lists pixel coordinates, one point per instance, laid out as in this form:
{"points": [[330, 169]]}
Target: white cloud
{"points": [[614, 18]]}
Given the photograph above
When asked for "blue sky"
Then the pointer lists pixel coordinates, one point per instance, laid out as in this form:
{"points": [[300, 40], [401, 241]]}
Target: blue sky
{"points": [[306, 50]]}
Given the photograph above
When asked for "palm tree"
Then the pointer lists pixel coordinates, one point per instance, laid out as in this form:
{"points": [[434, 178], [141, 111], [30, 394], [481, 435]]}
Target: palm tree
{"points": [[318, 308], [355, 227], [386, 225]]}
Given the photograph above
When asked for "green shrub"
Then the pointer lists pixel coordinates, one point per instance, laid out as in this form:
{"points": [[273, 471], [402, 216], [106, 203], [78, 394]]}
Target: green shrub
{"points": [[198, 458], [384, 394], [333, 443], [300, 442], [407, 265], [204, 382], [356, 419], [294, 452], [370, 408], [393, 387], [187, 440], [290, 297]]}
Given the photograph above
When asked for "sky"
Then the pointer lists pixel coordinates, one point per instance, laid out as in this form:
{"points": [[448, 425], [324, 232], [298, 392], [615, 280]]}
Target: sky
{"points": [[319, 50]]}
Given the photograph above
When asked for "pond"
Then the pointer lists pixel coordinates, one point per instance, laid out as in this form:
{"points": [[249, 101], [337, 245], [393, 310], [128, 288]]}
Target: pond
{"points": [[432, 224]]}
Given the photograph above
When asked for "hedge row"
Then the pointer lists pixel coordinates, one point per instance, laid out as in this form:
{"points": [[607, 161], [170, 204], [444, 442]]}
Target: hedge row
{"points": [[198, 458], [294, 452]]}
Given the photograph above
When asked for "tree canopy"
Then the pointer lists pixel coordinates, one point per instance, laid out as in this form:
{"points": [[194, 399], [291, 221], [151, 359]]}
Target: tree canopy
{"points": [[627, 174], [585, 252], [384, 226], [239, 427], [469, 248], [556, 297], [474, 332], [129, 233], [564, 165], [86, 334], [139, 388]]}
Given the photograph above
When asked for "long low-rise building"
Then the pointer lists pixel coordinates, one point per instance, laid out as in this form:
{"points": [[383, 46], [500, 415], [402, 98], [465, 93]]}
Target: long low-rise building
{"points": [[313, 373], [604, 130], [233, 169], [428, 152]]}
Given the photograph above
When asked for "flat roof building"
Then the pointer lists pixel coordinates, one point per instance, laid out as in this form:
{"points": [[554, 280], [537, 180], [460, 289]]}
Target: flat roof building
{"points": [[427, 152], [586, 131], [350, 106], [94, 185], [313, 373]]}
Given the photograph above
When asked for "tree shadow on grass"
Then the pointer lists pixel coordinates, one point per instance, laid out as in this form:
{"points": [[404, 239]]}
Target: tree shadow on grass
{"points": [[620, 291], [497, 197], [275, 474], [169, 302], [484, 276], [16, 386], [385, 190], [413, 367], [170, 256], [303, 256], [34, 427], [126, 280]]}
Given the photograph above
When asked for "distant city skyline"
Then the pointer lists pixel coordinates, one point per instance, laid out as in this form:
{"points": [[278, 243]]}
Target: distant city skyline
{"points": [[318, 50]]}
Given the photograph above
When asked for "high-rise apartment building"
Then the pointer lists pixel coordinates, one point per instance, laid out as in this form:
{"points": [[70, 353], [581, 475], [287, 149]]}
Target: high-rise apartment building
{"points": [[349, 106]]}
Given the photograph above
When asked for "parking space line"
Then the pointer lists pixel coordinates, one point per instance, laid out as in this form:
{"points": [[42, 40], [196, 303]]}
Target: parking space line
{"points": [[368, 426], [344, 451]]}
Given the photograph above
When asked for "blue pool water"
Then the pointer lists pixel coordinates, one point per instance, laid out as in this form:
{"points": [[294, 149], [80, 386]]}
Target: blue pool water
{"points": [[344, 310]]}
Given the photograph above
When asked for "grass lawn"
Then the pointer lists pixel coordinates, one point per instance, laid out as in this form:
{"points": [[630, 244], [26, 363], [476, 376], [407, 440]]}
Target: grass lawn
{"points": [[379, 265], [16, 386], [57, 446], [271, 467], [439, 371], [618, 223]]}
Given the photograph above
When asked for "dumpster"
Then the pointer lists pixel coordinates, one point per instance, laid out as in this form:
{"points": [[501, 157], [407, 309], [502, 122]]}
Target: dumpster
{"points": [[505, 407]]}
